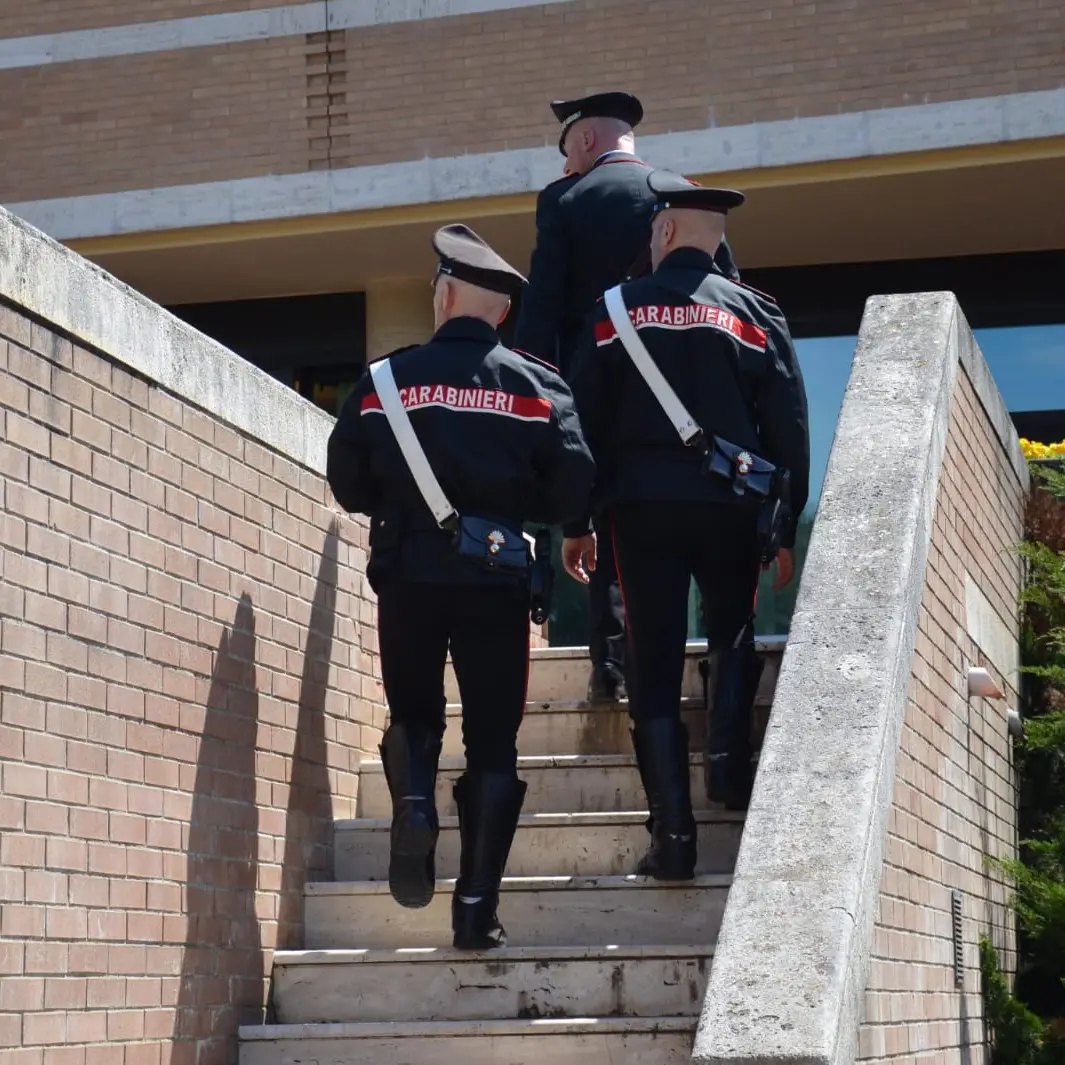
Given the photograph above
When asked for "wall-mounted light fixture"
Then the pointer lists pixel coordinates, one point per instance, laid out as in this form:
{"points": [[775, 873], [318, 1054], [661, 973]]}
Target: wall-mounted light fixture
{"points": [[982, 683]]}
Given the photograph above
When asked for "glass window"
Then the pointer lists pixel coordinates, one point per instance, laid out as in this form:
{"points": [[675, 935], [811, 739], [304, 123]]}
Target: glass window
{"points": [[826, 368], [1028, 364], [314, 344]]}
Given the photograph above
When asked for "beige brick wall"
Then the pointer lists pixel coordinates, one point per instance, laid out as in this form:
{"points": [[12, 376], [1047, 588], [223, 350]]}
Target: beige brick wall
{"points": [[954, 788], [693, 64], [169, 118], [482, 83], [19, 19], [178, 605]]}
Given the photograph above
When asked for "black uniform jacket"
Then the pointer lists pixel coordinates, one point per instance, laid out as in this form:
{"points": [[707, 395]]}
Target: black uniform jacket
{"points": [[502, 436], [726, 351], [591, 228]]}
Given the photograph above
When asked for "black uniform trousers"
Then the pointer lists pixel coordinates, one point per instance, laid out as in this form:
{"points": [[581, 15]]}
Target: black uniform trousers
{"points": [[486, 628], [660, 547], [606, 608]]}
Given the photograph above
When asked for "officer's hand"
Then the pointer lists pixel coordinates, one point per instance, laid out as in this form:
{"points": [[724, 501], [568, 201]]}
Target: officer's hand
{"points": [[785, 568], [578, 556]]}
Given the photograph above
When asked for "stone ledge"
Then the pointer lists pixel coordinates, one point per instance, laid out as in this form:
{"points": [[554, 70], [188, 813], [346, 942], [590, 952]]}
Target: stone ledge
{"points": [[793, 956], [523, 171], [76, 297], [978, 372]]}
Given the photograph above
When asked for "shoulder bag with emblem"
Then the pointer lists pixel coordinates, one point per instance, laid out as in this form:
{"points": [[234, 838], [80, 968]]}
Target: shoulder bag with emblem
{"points": [[744, 472], [491, 543]]}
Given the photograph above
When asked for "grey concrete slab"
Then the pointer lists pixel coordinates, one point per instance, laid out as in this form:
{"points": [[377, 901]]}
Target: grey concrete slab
{"points": [[560, 1041], [574, 844], [536, 911], [442, 984]]}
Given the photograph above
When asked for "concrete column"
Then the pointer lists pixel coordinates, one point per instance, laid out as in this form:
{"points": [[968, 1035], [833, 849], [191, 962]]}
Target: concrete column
{"points": [[399, 311]]}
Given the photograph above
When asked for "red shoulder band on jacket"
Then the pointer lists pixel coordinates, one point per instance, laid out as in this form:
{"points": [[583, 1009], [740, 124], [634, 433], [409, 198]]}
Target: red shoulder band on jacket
{"points": [[756, 291], [536, 358]]}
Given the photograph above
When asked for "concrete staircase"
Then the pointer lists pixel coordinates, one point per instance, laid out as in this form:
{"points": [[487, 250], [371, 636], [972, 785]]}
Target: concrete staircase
{"points": [[602, 965]]}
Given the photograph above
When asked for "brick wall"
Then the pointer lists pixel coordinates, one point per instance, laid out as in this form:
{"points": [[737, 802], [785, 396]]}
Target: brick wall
{"points": [[954, 785], [164, 118], [482, 82], [59, 16], [187, 676]]}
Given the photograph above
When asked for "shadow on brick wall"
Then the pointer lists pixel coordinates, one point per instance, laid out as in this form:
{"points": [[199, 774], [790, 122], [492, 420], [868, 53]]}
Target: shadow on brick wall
{"points": [[309, 818], [222, 968]]}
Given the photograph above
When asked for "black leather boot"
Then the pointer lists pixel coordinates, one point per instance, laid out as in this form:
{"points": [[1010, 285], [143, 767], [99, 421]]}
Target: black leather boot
{"points": [[411, 756], [661, 745], [488, 806], [606, 685], [733, 675]]}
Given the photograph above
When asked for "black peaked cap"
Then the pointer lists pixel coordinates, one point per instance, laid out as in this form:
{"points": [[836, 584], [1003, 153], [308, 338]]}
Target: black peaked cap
{"points": [[621, 105], [464, 255], [673, 190]]}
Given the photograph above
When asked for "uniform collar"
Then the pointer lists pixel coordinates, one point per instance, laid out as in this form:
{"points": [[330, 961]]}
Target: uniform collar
{"points": [[689, 259], [466, 328], [615, 155]]}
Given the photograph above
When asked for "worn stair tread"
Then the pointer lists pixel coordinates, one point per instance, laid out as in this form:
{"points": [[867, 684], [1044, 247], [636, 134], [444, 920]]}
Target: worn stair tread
{"points": [[561, 820], [456, 763], [565, 706], [502, 955], [536, 883], [618, 706], [445, 1029], [439, 983], [537, 910], [766, 644]]}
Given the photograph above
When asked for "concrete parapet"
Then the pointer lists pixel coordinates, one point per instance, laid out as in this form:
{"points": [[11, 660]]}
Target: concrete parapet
{"points": [[880, 786]]}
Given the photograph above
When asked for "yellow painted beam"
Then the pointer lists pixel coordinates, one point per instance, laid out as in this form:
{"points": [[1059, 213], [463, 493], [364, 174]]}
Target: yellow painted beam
{"points": [[308, 225], [524, 203], [893, 165]]}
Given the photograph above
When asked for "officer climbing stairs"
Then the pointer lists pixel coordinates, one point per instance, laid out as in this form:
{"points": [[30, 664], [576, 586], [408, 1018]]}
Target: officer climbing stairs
{"points": [[600, 965]]}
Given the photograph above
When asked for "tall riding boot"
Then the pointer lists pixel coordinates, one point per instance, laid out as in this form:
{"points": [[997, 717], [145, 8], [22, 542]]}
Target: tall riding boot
{"points": [[411, 755], [488, 806], [732, 684], [661, 745]]}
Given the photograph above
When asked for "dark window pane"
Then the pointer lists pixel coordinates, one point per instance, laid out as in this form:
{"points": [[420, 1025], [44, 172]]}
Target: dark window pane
{"points": [[315, 344]]}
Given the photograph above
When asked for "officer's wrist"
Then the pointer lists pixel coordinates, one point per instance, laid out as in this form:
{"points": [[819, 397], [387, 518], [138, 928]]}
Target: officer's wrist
{"points": [[574, 530]]}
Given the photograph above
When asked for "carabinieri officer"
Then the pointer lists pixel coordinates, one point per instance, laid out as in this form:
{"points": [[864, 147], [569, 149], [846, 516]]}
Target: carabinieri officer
{"points": [[592, 231], [697, 489], [503, 445]]}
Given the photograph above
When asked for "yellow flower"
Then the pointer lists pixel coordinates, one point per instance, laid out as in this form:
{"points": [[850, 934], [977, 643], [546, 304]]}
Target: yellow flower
{"points": [[1033, 449]]}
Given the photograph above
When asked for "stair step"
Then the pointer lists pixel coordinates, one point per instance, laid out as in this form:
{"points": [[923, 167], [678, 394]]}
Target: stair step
{"points": [[572, 844], [576, 726], [561, 1041], [557, 784], [536, 911], [562, 672], [430, 984]]}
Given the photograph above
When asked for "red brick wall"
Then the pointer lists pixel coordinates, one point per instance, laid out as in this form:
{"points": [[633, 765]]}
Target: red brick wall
{"points": [[954, 798], [188, 672], [478, 83]]}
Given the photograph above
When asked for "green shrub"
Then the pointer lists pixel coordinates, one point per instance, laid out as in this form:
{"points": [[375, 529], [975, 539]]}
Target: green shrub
{"points": [[1017, 1024], [1016, 1033]]}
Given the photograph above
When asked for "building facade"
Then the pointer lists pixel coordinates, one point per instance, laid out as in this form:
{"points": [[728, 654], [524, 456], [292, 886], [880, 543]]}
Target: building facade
{"points": [[272, 171]]}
